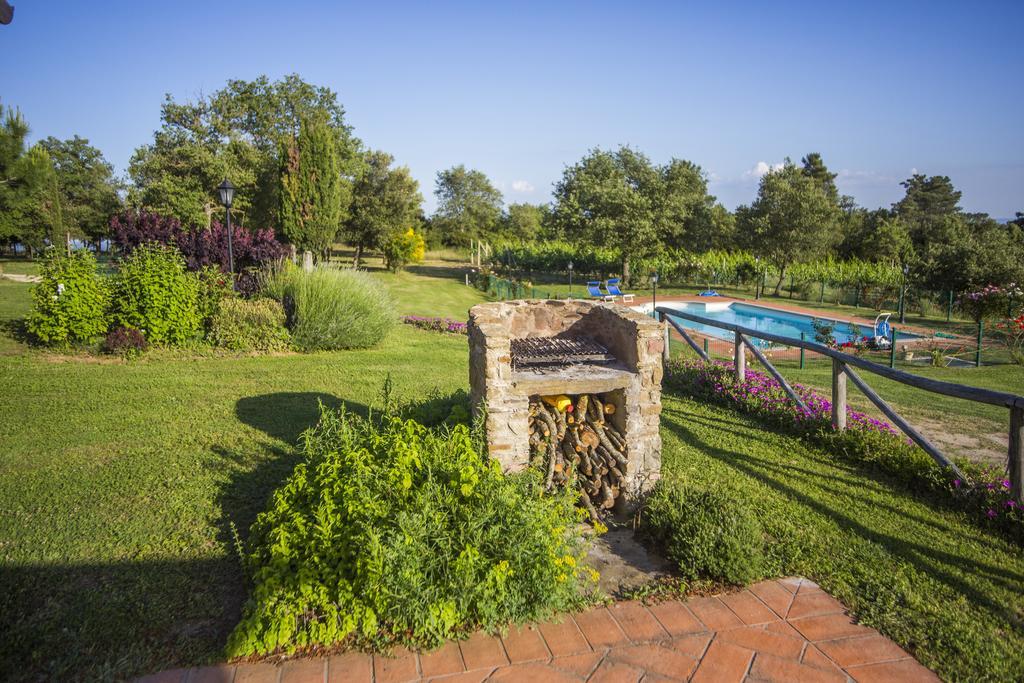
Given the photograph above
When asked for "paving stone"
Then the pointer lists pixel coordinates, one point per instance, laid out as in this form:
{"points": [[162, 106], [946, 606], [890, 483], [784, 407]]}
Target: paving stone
{"points": [[525, 644], [582, 665], [783, 670], [762, 640], [654, 658], [481, 650], [713, 613], [221, 673], [351, 667], [749, 608], [563, 637], [533, 672], [848, 652], [813, 657], [259, 672], [303, 671], [785, 628], [599, 628], [723, 663], [791, 583], [830, 627], [169, 676], [904, 670], [398, 668], [774, 595], [694, 645], [615, 672], [637, 623], [812, 604], [477, 676], [443, 661], [675, 618]]}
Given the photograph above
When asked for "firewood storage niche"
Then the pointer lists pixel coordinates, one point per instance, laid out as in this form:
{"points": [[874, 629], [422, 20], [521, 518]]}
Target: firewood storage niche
{"points": [[574, 389]]}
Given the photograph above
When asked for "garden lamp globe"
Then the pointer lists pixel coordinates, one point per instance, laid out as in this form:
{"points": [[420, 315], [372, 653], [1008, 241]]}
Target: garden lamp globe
{"points": [[227, 193], [569, 266]]}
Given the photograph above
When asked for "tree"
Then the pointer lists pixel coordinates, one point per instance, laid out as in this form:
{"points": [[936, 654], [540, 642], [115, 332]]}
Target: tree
{"points": [[813, 166], [310, 193], [524, 221], [385, 202], [30, 207], [469, 206], [88, 189], [235, 133], [793, 219]]}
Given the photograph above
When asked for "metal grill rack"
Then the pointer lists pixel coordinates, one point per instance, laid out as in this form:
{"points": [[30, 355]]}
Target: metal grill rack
{"points": [[548, 351]]}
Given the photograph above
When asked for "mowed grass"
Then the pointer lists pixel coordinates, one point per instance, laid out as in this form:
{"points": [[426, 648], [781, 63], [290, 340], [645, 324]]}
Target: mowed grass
{"points": [[927, 577], [120, 483]]}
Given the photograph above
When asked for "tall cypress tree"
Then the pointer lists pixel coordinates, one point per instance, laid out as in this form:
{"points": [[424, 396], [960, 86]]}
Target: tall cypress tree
{"points": [[310, 199]]}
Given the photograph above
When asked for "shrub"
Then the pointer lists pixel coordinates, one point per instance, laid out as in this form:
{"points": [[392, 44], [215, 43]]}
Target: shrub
{"points": [[708, 532], [403, 248], [70, 304], [250, 325], [125, 342], [329, 308], [214, 288], [154, 293], [389, 531]]}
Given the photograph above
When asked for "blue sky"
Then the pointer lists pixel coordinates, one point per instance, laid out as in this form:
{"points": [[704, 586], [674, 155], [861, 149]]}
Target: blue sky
{"points": [[519, 90]]}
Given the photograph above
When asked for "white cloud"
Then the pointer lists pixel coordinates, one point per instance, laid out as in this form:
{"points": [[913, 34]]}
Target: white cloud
{"points": [[524, 186], [760, 168]]}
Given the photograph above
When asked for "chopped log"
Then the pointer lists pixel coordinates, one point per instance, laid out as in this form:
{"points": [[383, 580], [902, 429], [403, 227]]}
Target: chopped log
{"points": [[607, 497], [589, 439], [609, 408], [582, 403]]}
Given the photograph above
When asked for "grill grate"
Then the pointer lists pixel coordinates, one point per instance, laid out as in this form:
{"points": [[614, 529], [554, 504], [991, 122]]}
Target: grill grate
{"points": [[540, 351]]}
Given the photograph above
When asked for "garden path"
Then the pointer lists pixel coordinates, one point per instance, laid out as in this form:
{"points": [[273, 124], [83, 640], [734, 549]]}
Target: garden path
{"points": [[782, 630]]}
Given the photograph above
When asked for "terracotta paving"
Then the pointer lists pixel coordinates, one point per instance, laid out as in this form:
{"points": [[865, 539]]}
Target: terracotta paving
{"points": [[787, 630]]}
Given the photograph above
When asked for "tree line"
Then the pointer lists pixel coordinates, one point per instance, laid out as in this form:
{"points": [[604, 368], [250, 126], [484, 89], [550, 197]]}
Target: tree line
{"points": [[301, 171]]}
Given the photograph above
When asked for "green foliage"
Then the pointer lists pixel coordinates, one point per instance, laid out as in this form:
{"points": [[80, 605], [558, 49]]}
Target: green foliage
{"points": [[214, 288], [250, 325], [709, 532], [524, 222], [390, 531], [70, 304], [310, 209], [385, 202], [468, 205], [88, 190], [30, 201], [153, 292], [402, 248], [329, 308]]}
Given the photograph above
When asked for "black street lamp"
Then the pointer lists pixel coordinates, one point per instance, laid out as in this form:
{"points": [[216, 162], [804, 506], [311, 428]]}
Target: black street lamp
{"points": [[227, 195], [654, 284], [757, 277], [903, 295], [569, 266]]}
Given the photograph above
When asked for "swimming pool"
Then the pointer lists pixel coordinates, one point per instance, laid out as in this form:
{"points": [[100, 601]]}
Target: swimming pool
{"points": [[764, 319]]}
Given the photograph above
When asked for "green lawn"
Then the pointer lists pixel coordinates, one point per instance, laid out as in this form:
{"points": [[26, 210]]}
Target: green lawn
{"points": [[20, 266], [120, 483]]}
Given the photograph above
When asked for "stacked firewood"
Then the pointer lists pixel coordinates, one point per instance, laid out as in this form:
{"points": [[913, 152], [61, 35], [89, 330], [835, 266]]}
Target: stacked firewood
{"points": [[573, 439]]}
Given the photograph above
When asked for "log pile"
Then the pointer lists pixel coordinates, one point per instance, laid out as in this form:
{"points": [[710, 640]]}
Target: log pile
{"points": [[573, 440]]}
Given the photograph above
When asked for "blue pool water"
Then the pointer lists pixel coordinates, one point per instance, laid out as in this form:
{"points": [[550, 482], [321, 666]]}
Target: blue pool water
{"points": [[782, 323]]}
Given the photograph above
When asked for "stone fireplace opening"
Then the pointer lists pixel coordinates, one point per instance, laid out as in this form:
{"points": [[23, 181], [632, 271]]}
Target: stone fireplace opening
{"points": [[572, 349]]}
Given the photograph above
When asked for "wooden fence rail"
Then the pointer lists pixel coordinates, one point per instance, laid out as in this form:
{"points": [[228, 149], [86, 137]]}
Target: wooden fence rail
{"points": [[842, 369]]}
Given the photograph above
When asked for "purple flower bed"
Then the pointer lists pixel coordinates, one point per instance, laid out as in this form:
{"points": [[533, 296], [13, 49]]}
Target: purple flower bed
{"points": [[986, 493], [446, 325]]}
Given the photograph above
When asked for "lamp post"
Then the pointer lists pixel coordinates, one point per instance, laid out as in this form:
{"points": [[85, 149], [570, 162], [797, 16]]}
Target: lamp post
{"points": [[903, 295], [569, 266], [654, 284], [757, 277], [227, 195]]}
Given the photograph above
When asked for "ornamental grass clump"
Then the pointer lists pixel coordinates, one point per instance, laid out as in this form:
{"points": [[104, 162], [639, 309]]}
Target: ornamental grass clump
{"points": [[709, 532], [389, 531], [331, 308]]}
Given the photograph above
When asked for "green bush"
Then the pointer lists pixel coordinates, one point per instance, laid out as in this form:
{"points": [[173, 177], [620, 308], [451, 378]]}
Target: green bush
{"points": [[390, 531], [709, 532], [330, 308], [214, 288], [254, 325], [70, 304], [154, 293]]}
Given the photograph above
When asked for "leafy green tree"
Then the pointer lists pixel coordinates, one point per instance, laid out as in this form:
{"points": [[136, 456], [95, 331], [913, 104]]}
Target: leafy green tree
{"points": [[235, 133], [88, 190], [310, 194], [524, 221], [813, 166], [793, 219], [30, 206], [469, 206], [386, 202]]}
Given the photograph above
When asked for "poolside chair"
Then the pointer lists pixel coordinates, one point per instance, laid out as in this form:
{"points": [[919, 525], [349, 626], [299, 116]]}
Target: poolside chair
{"points": [[594, 292], [614, 291], [882, 329]]}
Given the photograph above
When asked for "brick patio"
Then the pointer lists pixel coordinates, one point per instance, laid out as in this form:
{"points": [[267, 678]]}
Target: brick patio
{"points": [[785, 630]]}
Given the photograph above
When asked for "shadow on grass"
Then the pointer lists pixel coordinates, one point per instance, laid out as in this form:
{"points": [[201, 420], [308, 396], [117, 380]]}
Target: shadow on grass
{"points": [[450, 272], [285, 415], [946, 565]]}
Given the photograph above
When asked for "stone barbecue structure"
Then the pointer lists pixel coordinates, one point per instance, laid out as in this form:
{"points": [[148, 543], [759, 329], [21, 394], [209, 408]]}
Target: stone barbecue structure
{"points": [[627, 377]]}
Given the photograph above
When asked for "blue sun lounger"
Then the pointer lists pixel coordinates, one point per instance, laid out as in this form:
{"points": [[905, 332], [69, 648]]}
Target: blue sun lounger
{"points": [[594, 291], [613, 289]]}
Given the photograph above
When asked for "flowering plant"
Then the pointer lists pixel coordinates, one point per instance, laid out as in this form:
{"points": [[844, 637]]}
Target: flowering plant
{"points": [[866, 439], [435, 324], [991, 301]]}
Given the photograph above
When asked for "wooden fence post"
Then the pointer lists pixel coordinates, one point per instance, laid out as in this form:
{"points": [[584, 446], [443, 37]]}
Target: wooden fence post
{"points": [[838, 394], [1016, 460], [740, 359], [977, 353]]}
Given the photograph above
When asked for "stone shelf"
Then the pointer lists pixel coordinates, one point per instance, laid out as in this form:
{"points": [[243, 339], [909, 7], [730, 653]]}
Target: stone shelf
{"points": [[571, 379]]}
